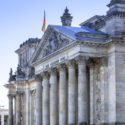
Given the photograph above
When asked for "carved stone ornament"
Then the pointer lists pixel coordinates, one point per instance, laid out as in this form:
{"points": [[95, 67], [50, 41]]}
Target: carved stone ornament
{"points": [[12, 77], [81, 60], [55, 42], [71, 63], [61, 67], [45, 75], [20, 73], [38, 78]]}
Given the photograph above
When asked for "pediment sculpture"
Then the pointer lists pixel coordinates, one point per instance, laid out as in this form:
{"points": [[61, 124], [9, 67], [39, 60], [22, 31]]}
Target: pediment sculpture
{"points": [[55, 42]]}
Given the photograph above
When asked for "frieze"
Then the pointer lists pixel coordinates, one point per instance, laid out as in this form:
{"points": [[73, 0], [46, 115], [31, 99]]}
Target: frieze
{"points": [[54, 63], [62, 59]]}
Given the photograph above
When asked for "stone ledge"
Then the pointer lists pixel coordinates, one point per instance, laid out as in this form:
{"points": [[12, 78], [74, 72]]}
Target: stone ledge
{"points": [[117, 123], [83, 123]]}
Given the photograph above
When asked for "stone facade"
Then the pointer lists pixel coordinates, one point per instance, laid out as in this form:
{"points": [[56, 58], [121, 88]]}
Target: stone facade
{"points": [[73, 75], [3, 116]]}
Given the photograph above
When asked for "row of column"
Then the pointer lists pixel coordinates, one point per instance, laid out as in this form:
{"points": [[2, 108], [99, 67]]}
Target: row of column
{"points": [[47, 110], [14, 118]]}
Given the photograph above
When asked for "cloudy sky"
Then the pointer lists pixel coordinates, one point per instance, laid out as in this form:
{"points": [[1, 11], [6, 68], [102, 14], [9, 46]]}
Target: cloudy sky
{"points": [[22, 19]]}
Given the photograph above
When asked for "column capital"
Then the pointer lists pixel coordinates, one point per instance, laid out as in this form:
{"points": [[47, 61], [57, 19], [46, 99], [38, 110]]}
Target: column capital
{"points": [[19, 92], [53, 71], [38, 77], [45, 75], [45, 81], [61, 67], [10, 96], [71, 63], [81, 59]]}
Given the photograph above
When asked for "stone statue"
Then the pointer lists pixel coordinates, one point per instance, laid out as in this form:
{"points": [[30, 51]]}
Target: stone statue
{"points": [[20, 73], [55, 42], [11, 76], [31, 72]]}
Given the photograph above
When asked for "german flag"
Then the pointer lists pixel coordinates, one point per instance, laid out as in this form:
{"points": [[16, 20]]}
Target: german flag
{"points": [[44, 23]]}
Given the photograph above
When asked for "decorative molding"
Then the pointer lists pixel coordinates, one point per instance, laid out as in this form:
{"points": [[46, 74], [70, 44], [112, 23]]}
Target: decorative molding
{"points": [[45, 75], [61, 67], [71, 63], [81, 60], [38, 78], [53, 71], [112, 14]]}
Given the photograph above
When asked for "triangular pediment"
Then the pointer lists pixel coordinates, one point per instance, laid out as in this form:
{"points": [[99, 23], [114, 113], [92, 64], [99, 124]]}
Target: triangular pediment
{"points": [[51, 42]]}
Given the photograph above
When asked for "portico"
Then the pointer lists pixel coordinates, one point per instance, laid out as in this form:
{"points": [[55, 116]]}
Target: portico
{"points": [[71, 87]]}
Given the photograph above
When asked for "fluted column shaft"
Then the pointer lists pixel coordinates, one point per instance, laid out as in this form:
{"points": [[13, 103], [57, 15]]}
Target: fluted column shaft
{"points": [[53, 98], [10, 109], [18, 109], [82, 93], [38, 100], [14, 110], [2, 119], [46, 111], [71, 94], [62, 96]]}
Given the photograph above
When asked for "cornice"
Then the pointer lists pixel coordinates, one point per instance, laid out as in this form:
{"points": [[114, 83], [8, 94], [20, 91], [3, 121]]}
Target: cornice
{"points": [[112, 14], [116, 2], [108, 42], [10, 86], [91, 43]]}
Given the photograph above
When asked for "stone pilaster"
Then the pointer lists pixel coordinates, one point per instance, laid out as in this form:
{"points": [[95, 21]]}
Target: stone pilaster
{"points": [[53, 98], [82, 92], [38, 100], [18, 109], [112, 87], [46, 97], [62, 95], [10, 109], [72, 93]]}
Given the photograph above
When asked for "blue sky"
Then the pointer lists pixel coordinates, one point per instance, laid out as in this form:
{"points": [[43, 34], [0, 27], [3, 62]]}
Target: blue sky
{"points": [[22, 19]]}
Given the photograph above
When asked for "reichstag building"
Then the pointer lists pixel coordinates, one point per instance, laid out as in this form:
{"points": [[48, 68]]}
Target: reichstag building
{"points": [[72, 75]]}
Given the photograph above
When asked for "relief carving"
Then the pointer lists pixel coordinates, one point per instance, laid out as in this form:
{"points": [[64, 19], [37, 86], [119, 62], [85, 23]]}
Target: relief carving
{"points": [[55, 42]]}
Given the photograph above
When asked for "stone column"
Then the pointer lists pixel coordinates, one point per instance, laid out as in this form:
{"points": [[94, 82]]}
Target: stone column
{"points": [[82, 92], [38, 100], [2, 118], [46, 95], [62, 95], [27, 104], [10, 109], [14, 110], [53, 98], [72, 93], [18, 109]]}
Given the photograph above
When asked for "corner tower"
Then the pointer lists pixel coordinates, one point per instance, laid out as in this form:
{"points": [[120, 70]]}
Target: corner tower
{"points": [[115, 18], [66, 19]]}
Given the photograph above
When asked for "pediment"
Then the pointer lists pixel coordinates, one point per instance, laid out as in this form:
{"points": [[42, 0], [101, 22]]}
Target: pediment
{"points": [[51, 42]]}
